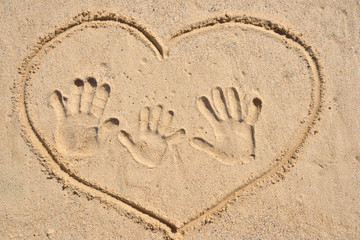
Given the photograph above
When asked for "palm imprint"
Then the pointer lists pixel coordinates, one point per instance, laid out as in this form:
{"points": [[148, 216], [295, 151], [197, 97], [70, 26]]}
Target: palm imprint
{"points": [[153, 138], [78, 128], [234, 132]]}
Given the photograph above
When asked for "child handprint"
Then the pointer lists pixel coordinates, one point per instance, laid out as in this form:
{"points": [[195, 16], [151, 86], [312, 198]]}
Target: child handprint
{"points": [[78, 129], [153, 137], [234, 132]]}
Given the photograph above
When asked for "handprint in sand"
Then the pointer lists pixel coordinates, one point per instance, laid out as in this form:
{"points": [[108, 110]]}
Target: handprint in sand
{"points": [[233, 126], [79, 131], [153, 138]]}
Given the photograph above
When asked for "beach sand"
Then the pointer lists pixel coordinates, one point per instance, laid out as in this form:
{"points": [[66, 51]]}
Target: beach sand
{"points": [[180, 120]]}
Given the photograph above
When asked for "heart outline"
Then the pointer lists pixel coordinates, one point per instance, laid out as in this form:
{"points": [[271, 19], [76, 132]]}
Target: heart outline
{"points": [[48, 157]]}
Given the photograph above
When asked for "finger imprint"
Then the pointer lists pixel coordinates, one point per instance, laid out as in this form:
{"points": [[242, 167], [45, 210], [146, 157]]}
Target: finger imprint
{"points": [[88, 95], [144, 119], [202, 145], [254, 111], [111, 123], [234, 104], [155, 118], [100, 100], [179, 133], [220, 103], [126, 140], [165, 122], [206, 109], [74, 101], [58, 105]]}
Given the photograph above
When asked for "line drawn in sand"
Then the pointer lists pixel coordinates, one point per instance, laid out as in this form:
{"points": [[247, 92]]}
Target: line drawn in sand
{"points": [[78, 128], [233, 125], [153, 138]]}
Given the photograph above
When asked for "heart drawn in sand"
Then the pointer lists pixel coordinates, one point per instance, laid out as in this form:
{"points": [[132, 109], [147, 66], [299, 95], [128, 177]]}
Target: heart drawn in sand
{"points": [[169, 131]]}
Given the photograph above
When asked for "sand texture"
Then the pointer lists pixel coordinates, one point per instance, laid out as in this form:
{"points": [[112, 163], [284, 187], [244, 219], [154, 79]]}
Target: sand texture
{"points": [[186, 120]]}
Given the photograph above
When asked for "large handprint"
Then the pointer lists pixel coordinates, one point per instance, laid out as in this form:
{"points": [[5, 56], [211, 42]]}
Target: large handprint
{"points": [[153, 138], [78, 130], [234, 133]]}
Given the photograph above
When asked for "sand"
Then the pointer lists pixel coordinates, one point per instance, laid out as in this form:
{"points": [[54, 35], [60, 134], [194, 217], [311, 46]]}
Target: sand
{"points": [[186, 120]]}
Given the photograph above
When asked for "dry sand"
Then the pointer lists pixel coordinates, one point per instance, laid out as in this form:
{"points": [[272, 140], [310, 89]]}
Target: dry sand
{"points": [[186, 120]]}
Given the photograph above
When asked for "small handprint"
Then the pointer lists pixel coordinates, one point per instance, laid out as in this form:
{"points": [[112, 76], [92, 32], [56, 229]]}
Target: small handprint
{"points": [[234, 133], [78, 129], [153, 138]]}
